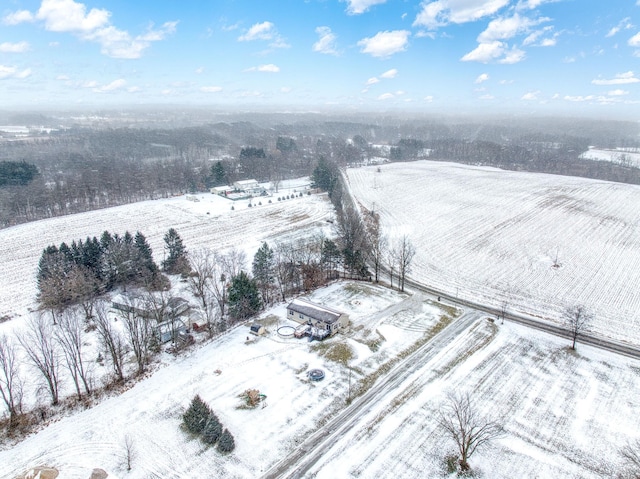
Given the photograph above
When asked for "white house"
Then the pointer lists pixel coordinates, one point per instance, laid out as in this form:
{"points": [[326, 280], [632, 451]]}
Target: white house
{"points": [[317, 316], [249, 186]]}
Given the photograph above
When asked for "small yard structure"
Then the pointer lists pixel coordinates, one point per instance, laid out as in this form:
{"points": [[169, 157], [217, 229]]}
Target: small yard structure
{"points": [[258, 329], [170, 330], [323, 321]]}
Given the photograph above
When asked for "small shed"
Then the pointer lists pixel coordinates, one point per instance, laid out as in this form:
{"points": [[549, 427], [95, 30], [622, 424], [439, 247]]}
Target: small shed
{"points": [[257, 329], [317, 316], [170, 330]]}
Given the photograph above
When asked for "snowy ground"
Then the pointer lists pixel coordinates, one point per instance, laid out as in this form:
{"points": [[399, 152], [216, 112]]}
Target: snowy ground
{"points": [[631, 157], [150, 412], [209, 222], [493, 236], [565, 414]]}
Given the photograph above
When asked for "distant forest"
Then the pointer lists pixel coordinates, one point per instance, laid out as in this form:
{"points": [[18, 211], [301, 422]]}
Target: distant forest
{"points": [[77, 168]]}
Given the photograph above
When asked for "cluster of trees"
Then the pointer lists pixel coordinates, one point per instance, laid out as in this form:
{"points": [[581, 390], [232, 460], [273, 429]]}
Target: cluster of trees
{"points": [[200, 420], [80, 272], [14, 173]]}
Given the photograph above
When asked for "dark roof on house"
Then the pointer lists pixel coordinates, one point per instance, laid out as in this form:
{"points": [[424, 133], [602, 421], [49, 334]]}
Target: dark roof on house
{"points": [[315, 311], [256, 327]]}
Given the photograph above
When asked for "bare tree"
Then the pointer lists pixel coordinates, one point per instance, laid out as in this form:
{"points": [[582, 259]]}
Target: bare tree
{"points": [[112, 340], [404, 251], [377, 244], [631, 455], [203, 284], [10, 381], [467, 427], [139, 331], [577, 319], [70, 336], [232, 262], [129, 451], [43, 351]]}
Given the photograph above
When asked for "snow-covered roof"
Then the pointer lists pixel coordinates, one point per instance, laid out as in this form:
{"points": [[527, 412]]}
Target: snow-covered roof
{"points": [[246, 182], [314, 311]]}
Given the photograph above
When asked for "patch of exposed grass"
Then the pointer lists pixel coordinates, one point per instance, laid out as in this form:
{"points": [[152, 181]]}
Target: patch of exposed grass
{"points": [[271, 320], [339, 352]]}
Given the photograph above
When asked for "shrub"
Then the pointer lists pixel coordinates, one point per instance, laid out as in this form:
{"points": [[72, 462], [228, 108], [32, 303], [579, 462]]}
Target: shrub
{"points": [[226, 442]]}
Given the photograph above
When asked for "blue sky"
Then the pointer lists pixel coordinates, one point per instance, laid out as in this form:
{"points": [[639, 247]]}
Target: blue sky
{"points": [[572, 57]]}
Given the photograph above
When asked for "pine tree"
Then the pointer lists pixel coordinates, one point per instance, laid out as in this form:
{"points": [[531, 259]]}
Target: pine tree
{"points": [[226, 442], [197, 415], [212, 430], [145, 268], [244, 298], [264, 271], [176, 261]]}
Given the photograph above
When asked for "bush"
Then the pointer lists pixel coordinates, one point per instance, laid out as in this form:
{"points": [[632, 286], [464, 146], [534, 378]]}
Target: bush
{"points": [[226, 442]]}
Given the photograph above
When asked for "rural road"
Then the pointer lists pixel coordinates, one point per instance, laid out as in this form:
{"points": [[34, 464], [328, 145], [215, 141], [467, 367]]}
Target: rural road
{"points": [[296, 464], [596, 341]]}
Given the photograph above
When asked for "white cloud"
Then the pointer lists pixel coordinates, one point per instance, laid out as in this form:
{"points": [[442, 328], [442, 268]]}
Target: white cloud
{"points": [[21, 16], [389, 73], [531, 4], [211, 89], [482, 78], [428, 98], [634, 41], [259, 31], [625, 24], [356, 7], [515, 55], [532, 95], [385, 44], [485, 52], [265, 31], [199, 71], [620, 79], [618, 92], [285, 89], [486, 97], [326, 43], [269, 68], [386, 96], [68, 16], [19, 47], [504, 28], [89, 84], [443, 12], [114, 85], [372, 81], [134, 89], [62, 78], [13, 72]]}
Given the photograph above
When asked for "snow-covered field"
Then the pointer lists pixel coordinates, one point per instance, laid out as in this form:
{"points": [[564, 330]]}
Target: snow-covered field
{"points": [[493, 236], [565, 414], [630, 157], [209, 222]]}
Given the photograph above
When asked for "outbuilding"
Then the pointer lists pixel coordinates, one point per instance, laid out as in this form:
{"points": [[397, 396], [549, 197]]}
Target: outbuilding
{"points": [[258, 329]]}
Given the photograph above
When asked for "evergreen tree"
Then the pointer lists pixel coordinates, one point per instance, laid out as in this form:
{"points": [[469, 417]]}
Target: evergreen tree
{"points": [[197, 415], [325, 175], [244, 297], [218, 174], [264, 271], [226, 442], [176, 261], [330, 258], [212, 430], [145, 268]]}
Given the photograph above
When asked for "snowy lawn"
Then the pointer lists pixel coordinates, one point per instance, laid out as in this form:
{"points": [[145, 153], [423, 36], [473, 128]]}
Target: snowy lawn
{"points": [[566, 414], [492, 236], [220, 371]]}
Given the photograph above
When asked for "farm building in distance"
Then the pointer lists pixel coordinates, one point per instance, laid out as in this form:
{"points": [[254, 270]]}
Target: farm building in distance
{"points": [[251, 187], [316, 316]]}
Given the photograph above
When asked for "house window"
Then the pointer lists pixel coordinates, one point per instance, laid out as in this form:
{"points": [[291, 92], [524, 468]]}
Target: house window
{"points": [[301, 316], [291, 312]]}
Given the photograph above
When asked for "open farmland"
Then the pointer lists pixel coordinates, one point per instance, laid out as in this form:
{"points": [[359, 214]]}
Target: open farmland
{"points": [[209, 222], [493, 236]]}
